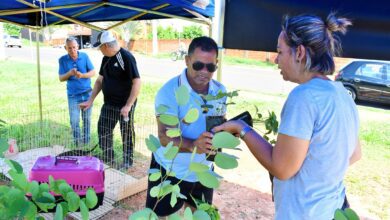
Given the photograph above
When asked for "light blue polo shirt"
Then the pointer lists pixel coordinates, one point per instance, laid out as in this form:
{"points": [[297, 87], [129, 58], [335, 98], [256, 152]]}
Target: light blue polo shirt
{"points": [[320, 111], [166, 96], [83, 64]]}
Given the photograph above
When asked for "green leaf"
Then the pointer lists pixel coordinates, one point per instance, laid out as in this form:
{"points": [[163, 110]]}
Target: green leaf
{"points": [[173, 132], [155, 176], [199, 167], [351, 215], [19, 180], [45, 206], [182, 95], [225, 140], [204, 206], [201, 215], [84, 210], [225, 161], [14, 165], [152, 143], [173, 200], [34, 189], [50, 198], [59, 215], [15, 197], [155, 141], [64, 188], [161, 189], [52, 183], [154, 191], [191, 116], [144, 214], [188, 214], [176, 189], [32, 211], [171, 152], [73, 201], [169, 120], [208, 180], [91, 198], [339, 215], [174, 216], [161, 109], [44, 187], [65, 208]]}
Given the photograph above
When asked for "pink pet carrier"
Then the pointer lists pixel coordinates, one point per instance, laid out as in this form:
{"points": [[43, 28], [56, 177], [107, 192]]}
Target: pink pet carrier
{"points": [[80, 172]]}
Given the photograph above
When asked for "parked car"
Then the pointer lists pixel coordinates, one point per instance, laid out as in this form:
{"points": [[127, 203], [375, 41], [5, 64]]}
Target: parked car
{"points": [[367, 80], [12, 41]]}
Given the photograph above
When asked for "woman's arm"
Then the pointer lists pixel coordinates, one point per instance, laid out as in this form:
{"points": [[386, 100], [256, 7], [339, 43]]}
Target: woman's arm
{"points": [[357, 154]]}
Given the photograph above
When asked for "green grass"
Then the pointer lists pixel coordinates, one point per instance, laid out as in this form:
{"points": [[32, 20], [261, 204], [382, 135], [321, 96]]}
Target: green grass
{"points": [[368, 179], [230, 60], [248, 62], [26, 43]]}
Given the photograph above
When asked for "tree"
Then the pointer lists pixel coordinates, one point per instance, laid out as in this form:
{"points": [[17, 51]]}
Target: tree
{"points": [[129, 30], [193, 31], [12, 29]]}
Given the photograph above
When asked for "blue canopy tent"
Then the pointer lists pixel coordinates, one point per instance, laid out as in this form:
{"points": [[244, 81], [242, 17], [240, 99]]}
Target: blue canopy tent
{"points": [[38, 14]]}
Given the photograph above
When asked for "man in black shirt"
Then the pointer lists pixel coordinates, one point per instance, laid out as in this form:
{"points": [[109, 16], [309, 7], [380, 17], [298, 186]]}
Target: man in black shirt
{"points": [[120, 82]]}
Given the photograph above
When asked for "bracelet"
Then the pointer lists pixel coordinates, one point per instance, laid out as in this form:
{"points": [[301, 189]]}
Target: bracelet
{"points": [[244, 131]]}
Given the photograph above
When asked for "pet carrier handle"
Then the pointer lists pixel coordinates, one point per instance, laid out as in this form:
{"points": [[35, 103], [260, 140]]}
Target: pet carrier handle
{"points": [[65, 159]]}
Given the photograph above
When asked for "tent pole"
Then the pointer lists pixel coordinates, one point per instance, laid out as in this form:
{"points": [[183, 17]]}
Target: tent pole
{"points": [[217, 32], [39, 75]]}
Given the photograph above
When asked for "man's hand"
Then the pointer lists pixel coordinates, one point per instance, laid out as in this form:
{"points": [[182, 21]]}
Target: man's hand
{"points": [[79, 75], [204, 143], [85, 105], [125, 111], [73, 72]]}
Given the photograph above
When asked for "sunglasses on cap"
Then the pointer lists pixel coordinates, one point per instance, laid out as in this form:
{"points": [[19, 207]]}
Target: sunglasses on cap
{"points": [[211, 67]]}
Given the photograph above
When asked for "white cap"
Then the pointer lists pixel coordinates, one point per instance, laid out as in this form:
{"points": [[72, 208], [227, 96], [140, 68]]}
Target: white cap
{"points": [[104, 37]]}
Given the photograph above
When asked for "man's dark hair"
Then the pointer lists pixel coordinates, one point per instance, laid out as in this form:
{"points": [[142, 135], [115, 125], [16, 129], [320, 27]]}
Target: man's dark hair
{"points": [[204, 43]]}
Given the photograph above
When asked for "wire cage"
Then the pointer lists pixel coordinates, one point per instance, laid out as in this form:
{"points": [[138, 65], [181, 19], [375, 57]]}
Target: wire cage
{"points": [[30, 137]]}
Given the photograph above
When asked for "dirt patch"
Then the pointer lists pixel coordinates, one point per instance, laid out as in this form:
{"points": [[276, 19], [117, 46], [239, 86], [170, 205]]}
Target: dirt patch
{"points": [[234, 202]]}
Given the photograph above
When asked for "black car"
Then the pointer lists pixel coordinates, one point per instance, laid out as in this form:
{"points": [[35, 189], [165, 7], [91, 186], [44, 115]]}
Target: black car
{"points": [[367, 80]]}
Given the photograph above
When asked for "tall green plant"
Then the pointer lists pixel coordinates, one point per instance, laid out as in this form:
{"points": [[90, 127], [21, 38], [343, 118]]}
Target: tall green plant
{"points": [[205, 176]]}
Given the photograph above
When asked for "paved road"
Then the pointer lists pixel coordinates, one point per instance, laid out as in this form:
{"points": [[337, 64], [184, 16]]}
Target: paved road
{"points": [[264, 80]]}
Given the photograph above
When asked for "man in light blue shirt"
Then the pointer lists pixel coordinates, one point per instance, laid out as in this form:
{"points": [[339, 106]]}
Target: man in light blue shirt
{"points": [[77, 69], [197, 77]]}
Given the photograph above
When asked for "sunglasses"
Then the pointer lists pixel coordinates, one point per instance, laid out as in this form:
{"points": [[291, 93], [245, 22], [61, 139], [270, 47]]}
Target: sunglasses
{"points": [[211, 67]]}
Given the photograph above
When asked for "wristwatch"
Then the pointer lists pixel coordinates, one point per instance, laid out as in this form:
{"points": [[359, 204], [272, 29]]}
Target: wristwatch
{"points": [[244, 131]]}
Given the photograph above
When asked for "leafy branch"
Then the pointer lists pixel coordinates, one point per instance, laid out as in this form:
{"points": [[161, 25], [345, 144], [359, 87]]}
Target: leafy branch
{"points": [[205, 176], [25, 200], [271, 124]]}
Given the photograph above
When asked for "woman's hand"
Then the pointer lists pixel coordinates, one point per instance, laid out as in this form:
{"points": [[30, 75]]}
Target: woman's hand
{"points": [[204, 143], [233, 127]]}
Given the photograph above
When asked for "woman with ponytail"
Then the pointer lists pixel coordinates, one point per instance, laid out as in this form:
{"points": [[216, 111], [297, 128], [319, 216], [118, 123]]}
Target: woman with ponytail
{"points": [[318, 134]]}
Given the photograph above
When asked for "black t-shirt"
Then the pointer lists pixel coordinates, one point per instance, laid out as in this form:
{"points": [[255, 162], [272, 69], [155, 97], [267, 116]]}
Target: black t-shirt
{"points": [[118, 72]]}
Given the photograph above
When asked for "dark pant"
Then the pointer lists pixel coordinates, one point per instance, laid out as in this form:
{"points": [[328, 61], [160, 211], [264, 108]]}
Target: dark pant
{"points": [[163, 208], [109, 116]]}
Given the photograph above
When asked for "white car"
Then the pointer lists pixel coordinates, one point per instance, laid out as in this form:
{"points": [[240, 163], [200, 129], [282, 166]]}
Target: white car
{"points": [[12, 41]]}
